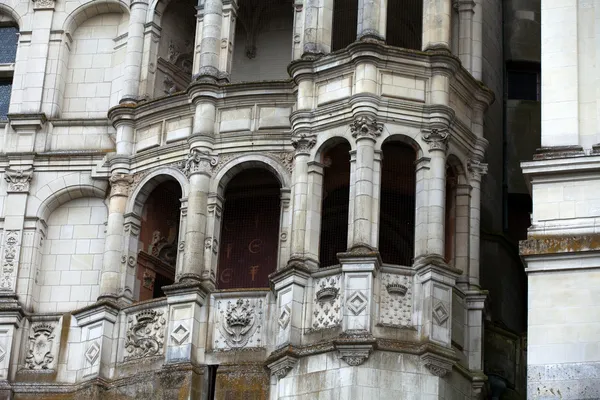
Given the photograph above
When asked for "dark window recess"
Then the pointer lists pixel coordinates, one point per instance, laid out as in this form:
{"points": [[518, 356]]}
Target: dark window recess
{"points": [[8, 44], [345, 17], [523, 81], [5, 88], [405, 23], [336, 195], [250, 231], [397, 206]]}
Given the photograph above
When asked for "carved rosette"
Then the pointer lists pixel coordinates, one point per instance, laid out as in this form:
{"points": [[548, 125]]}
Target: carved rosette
{"points": [[366, 127], [239, 323], [119, 184], [477, 169], [437, 139], [303, 143], [39, 353], [18, 180], [198, 162], [145, 334], [10, 259]]}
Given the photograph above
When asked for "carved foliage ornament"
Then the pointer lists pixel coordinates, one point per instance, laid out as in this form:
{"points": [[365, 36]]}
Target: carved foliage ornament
{"points": [[365, 127], [18, 180], [119, 184], [238, 322], [436, 138], [39, 354], [198, 162], [303, 143], [10, 260], [145, 334]]}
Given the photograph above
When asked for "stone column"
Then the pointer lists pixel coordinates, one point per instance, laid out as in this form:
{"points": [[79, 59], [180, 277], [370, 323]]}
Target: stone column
{"points": [[475, 301], [436, 24], [465, 10], [110, 279], [477, 41], [476, 169], [371, 22], [198, 167], [303, 144], [134, 51], [436, 138], [124, 137], [365, 130], [210, 44], [318, 19], [421, 200]]}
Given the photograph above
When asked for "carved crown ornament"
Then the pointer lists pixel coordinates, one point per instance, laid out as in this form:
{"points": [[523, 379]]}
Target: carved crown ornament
{"points": [[436, 138], [197, 162], [18, 179], [366, 126]]}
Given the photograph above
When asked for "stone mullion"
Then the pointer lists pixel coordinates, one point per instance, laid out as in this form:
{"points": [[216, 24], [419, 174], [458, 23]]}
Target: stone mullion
{"points": [[462, 240], [476, 169], [213, 231], [149, 60], [371, 19], [421, 203], [313, 213], [134, 51], [436, 24], [110, 278], [131, 233], [210, 44]]}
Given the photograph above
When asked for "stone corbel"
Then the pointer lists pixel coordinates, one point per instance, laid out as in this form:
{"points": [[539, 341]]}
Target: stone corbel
{"points": [[282, 366], [18, 179], [354, 354], [437, 365]]}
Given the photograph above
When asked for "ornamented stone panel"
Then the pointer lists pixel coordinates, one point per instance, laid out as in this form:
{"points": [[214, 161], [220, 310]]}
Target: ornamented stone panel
{"points": [[327, 303], [40, 353], [238, 323], [145, 334], [395, 300]]}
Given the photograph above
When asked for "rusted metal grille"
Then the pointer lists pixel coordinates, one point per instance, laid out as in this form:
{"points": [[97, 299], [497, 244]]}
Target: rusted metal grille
{"points": [[345, 16], [250, 231], [405, 23], [397, 207], [334, 214]]}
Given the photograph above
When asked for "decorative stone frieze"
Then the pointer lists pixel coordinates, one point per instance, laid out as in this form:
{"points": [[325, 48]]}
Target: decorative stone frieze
{"points": [[436, 138], [327, 303], [239, 323], [286, 158], [365, 126], [303, 143], [40, 352], [395, 300], [119, 184], [10, 260], [145, 334], [18, 179], [281, 367], [198, 162]]}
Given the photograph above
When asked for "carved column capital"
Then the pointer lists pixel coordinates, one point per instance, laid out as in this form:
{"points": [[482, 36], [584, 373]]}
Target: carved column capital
{"points": [[119, 184], [366, 127], [303, 143], [477, 169], [198, 162], [436, 138], [18, 180]]}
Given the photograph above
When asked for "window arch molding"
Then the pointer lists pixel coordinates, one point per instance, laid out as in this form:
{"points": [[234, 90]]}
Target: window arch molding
{"points": [[89, 10], [413, 140], [145, 187]]}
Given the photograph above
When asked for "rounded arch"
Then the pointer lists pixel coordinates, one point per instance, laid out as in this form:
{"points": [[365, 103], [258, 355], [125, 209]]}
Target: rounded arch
{"points": [[66, 194], [89, 10], [330, 142], [156, 10], [150, 182], [10, 14], [403, 138], [247, 161], [453, 162]]}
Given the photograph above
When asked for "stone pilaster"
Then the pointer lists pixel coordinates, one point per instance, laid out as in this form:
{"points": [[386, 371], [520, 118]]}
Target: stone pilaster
{"points": [[476, 170], [227, 37], [198, 167], [371, 22], [475, 302], [318, 19], [134, 52], [436, 24], [110, 278], [298, 29], [365, 130], [300, 195], [210, 43], [465, 9]]}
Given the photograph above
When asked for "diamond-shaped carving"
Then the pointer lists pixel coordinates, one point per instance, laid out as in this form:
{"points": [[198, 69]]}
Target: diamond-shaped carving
{"points": [[2, 353], [357, 302], [440, 314], [284, 317], [92, 353], [180, 334]]}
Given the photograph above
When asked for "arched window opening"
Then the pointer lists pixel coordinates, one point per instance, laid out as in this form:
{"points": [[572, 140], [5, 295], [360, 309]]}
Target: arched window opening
{"points": [[176, 47], [405, 23], [336, 196], [263, 35], [250, 230], [159, 235], [9, 35], [450, 216], [345, 19], [397, 207]]}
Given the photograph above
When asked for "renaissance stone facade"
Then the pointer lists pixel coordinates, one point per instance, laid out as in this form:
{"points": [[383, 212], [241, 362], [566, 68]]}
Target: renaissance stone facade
{"points": [[253, 199]]}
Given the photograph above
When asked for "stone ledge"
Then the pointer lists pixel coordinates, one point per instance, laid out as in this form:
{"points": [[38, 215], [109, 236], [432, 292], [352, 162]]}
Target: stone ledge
{"points": [[539, 245], [550, 153]]}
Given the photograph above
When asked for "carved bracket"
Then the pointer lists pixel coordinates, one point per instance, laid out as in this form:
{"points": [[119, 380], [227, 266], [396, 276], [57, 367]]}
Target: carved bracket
{"points": [[354, 354], [198, 162], [477, 169], [281, 367], [437, 365]]}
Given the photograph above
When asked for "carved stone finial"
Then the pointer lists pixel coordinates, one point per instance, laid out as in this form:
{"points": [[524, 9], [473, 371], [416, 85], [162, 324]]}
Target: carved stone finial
{"points": [[365, 127], [198, 162], [119, 184], [303, 143], [436, 138], [477, 169], [18, 180]]}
